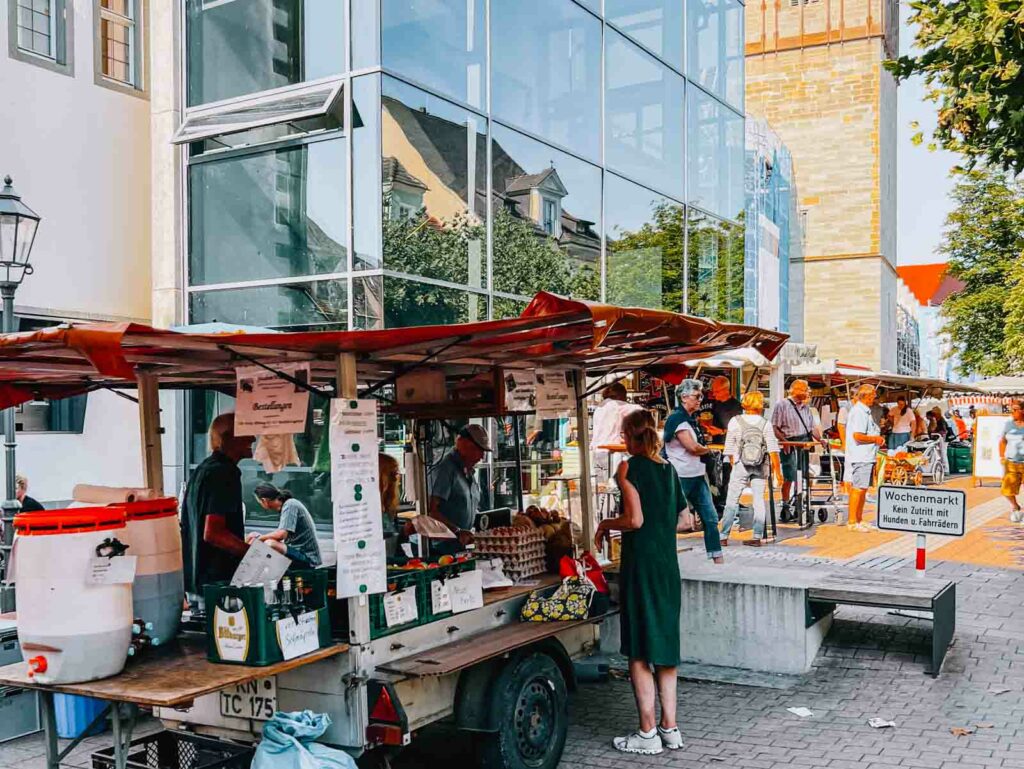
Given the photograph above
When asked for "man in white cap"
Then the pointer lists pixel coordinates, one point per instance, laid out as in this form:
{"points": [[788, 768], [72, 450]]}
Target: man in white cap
{"points": [[454, 489]]}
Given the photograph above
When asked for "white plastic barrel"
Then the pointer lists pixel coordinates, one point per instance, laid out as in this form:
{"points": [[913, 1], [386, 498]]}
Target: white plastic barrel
{"points": [[154, 535], [70, 629]]}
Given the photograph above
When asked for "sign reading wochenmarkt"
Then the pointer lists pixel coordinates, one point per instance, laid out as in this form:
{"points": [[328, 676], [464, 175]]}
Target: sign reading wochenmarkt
{"points": [[922, 511]]}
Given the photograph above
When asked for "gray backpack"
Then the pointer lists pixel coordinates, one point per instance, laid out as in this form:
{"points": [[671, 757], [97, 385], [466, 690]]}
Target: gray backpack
{"points": [[753, 449]]}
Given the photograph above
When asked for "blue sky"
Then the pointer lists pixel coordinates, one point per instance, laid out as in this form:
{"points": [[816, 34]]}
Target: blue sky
{"points": [[923, 183]]}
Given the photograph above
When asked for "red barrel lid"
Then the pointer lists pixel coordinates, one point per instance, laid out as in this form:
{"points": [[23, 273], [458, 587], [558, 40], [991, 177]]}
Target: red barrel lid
{"points": [[70, 521], [149, 509]]}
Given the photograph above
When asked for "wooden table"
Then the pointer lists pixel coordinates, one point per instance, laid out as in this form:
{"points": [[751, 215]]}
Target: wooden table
{"points": [[171, 676]]}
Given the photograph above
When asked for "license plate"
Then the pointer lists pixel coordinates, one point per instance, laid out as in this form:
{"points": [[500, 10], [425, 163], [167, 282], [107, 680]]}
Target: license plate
{"points": [[256, 700]]}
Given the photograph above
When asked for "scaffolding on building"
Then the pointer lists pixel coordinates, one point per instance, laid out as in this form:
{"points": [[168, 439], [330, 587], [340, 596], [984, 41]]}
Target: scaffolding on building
{"points": [[773, 232]]}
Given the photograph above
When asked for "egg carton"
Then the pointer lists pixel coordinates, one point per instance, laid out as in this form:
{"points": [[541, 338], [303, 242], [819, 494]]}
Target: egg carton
{"points": [[525, 570], [512, 554]]}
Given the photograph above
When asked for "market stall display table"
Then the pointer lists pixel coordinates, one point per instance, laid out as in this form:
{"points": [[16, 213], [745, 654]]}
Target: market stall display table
{"points": [[171, 676]]}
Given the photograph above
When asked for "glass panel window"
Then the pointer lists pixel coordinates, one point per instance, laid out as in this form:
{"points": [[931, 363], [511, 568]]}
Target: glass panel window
{"points": [[715, 155], [715, 261], [434, 187], [315, 306], [274, 214], [547, 218], [36, 27], [390, 302], [245, 46], [366, 168], [644, 242], [118, 41], [714, 44], [546, 71], [440, 43], [655, 24], [644, 116]]}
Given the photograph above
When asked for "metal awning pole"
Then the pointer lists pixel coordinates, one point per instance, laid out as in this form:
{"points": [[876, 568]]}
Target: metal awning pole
{"points": [[583, 439], [150, 432]]}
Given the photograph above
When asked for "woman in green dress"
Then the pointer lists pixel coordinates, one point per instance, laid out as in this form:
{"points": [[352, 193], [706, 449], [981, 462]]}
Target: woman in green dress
{"points": [[649, 585]]}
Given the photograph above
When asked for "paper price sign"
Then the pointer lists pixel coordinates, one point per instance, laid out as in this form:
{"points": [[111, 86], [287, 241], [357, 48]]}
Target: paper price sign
{"points": [[466, 591], [400, 608], [440, 598], [298, 637], [112, 571]]}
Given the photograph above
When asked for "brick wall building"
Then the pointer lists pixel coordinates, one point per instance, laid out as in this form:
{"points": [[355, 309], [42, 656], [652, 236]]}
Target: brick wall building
{"points": [[814, 72]]}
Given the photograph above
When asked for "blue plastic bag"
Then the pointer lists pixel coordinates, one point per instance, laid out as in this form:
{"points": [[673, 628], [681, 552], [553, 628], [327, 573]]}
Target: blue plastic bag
{"points": [[289, 742]]}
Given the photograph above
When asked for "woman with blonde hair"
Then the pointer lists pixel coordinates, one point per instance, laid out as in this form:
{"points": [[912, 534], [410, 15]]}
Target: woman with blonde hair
{"points": [[649, 583], [753, 448]]}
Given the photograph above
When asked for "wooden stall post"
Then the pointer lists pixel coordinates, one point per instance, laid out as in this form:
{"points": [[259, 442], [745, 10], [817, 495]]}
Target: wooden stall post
{"points": [[583, 438], [151, 433]]}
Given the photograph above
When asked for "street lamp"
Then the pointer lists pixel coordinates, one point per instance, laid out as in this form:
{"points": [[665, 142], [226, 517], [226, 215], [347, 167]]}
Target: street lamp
{"points": [[18, 224]]}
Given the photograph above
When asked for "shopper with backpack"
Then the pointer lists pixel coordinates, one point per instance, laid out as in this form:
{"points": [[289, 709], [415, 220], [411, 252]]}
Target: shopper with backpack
{"points": [[753, 448]]}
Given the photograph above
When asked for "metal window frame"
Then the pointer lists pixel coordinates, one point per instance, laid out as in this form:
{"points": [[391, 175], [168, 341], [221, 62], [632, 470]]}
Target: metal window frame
{"points": [[63, 24], [129, 23]]}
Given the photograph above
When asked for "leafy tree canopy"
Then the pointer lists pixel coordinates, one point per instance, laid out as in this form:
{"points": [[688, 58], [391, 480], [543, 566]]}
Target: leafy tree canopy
{"points": [[984, 245], [972, 54]]}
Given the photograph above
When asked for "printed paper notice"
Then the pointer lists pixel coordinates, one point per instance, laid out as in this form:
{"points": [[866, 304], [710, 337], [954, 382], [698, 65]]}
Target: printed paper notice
{"points": [[119, 570], [555, 396], [466, 591], [520, 390], [298, 637], [440, 598], [400, 608], [267, 404], [358, 528]]}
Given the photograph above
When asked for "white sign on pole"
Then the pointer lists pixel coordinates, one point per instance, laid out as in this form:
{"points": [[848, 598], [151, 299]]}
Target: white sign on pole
{"points": [[266, 404], [922, 511], [555, 395], [358, 526]]}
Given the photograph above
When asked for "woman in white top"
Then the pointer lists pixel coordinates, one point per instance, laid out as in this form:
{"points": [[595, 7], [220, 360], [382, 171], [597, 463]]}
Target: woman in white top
{"points": [[904, 423], [753, 449]]}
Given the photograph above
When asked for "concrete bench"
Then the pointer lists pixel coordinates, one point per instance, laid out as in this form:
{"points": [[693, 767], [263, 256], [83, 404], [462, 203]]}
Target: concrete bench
{"points": [[937, 596]]}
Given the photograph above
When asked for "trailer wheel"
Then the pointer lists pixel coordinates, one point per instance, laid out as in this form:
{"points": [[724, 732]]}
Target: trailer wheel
{"points": [[532, 704]]}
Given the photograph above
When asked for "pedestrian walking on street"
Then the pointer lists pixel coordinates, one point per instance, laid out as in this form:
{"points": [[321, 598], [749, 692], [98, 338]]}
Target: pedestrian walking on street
{"points": [[684, 448], [649, 583], [863, 438], [793, 421], [1011, 452], [753, 449]]}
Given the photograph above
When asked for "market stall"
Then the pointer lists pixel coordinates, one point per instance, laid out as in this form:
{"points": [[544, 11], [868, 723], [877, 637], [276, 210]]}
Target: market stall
{"points": [[379, 684]]}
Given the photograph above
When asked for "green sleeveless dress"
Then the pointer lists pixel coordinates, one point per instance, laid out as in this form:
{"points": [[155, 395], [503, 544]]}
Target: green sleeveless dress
{"points": [[649, 573]]}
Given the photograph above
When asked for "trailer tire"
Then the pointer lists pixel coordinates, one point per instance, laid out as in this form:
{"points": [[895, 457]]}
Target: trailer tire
{"points": [[531, 704]]}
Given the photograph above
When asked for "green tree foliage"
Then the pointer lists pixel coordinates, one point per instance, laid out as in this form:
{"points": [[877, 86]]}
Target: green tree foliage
{"points": [[716, 269], [984, 245], [645, 267], [972, 53]]}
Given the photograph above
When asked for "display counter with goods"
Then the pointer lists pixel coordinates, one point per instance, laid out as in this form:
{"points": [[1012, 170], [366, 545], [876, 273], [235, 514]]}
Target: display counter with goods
{"points": [[417, 642]]}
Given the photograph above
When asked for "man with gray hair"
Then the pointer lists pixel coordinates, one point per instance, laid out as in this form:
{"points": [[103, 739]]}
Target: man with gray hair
{"points": [[863, 438], [685, 448]]}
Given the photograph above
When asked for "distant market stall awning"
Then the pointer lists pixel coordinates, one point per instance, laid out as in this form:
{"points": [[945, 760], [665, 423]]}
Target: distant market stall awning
{"points": [[836, 374], [1002, 385], [553, 332]]}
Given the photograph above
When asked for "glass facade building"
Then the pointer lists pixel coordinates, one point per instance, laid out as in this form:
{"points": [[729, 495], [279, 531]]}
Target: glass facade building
{"points": [[385, 163]]}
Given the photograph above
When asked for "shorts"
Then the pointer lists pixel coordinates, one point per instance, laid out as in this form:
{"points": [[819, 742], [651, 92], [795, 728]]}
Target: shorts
{"points": [[858, 474], [1013, 476], [299, 559], [788, 459]]}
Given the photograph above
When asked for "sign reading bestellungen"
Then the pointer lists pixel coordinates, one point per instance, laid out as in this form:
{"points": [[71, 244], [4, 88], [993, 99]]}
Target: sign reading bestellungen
{"points": [[922, 511]]}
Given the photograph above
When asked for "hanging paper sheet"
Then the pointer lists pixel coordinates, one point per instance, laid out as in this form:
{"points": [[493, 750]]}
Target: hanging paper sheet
{"points": [[266, 404]]}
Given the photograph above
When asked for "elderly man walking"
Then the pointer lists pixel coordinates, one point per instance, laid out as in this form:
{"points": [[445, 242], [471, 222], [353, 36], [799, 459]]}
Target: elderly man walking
{"points": [[793, 421], [863, 438]]}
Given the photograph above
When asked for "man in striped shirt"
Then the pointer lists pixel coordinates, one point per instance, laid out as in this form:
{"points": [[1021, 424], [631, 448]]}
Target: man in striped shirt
{"points": [[793, 420]]}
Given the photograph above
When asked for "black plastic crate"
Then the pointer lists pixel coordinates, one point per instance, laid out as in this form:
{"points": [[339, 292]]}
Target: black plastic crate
{"points": [[179, 750]]}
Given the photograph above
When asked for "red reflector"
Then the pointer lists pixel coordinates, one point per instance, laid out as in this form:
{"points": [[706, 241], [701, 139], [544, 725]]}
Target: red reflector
{"points": [[383, 734], [384, 708]]}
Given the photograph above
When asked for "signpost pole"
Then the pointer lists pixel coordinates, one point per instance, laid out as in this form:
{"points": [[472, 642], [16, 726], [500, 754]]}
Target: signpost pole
{"points": [[920, 555]]}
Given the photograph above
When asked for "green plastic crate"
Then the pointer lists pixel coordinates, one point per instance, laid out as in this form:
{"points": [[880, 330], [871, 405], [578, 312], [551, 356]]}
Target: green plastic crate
{"points": [[441, 573], [960, 459], [400, 579], [251, 634]]}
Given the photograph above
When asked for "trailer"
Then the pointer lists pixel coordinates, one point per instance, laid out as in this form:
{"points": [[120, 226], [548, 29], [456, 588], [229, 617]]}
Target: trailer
{"points": [[503, 681]]}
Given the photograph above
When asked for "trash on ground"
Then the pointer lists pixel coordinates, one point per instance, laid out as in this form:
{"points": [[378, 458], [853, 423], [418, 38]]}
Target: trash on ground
{"points": [[984, 726], [961, 731], [802, 712], [998, 690], [880, 723]]}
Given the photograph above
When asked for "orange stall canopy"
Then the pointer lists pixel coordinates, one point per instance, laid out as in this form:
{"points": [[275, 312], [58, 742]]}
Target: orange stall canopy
{"points": [[552, 332]]}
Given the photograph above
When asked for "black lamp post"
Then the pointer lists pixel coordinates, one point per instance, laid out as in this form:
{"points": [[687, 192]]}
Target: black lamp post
{"points": [[18, 225]]}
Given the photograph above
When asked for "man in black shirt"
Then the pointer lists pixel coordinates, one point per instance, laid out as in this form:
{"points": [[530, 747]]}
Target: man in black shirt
{"points": [[28, 505], [212, 519]]}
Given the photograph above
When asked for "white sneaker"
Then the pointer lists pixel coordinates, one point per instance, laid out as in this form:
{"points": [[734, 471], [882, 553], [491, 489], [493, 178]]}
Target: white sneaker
{"points": [[672, 739], [1016, 516], [638, 743]]}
